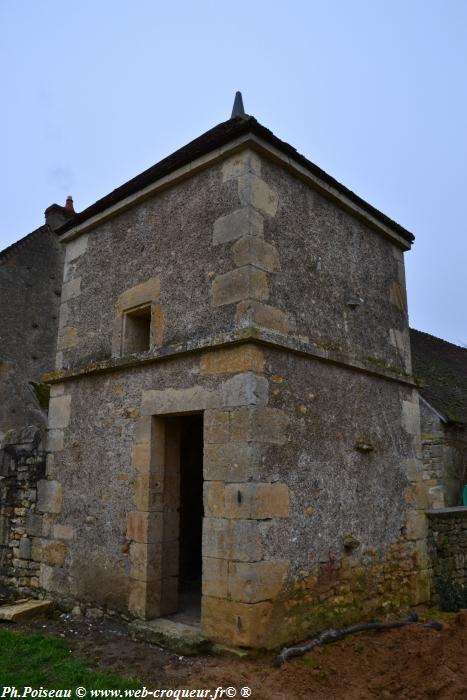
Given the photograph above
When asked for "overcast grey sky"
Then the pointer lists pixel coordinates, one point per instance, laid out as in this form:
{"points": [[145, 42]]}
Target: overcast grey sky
{"points": [[374, 92]]}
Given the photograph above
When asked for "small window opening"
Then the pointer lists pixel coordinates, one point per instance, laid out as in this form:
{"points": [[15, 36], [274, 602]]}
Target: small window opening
{"points": [[137, 330]]}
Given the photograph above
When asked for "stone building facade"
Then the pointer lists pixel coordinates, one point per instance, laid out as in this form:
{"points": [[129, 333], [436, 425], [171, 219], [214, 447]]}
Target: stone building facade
{"points": [[440, 369], [30, 286], [234, 428]]}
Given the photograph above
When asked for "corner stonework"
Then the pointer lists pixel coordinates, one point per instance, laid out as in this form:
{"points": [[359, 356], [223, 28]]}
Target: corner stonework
{"points": [[51, 548], [254, 260], [68, 336], [238, 582]]}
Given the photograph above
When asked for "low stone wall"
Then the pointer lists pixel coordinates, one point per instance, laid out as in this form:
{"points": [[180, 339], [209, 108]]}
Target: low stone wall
{"points": [[22, 464], [447, 541]]}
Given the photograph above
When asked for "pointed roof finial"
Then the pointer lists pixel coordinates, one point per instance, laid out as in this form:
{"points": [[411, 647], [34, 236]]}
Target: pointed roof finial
{"points": [[238, 108]]}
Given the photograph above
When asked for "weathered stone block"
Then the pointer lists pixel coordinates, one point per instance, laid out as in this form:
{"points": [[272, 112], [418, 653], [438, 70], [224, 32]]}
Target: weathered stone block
{"points": [[142, 433], [261, 424], [247, 161], [411, 417], [26, 610], [242, 283], [142, 457], [257, 501], [148, 493], [416, 527], [232, 462], [49, 496], [55, 440], [397, 296], [238, 624], [63, 532], [36, 549], [215, 577], [216, 426], [75, 248], [67, 338], [145, 526], [57, 390], [417, 495], [232, 539], [255, 251], [245, 389], [145, 562], [59, 412], [71, 289], [436, 497], [242, 222], [157, 325], [144, 598], [53, 553], [146, 292], [195, 398], [253, 582], [25, 548], [253, 191], [242, 358], [414, 469], [253, 313], [33, 524], [214, 499]]}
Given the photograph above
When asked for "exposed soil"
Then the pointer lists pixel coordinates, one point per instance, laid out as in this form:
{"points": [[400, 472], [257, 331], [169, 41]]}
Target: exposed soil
{"points": [[412, 662]]}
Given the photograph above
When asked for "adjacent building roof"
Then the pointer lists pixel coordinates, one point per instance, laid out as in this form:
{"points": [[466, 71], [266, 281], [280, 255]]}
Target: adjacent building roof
{"points": [[441, 367], [217, 137], [7, 253]]}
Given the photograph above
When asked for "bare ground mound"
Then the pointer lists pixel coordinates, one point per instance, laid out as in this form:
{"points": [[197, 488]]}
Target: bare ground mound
{"points": [[411, 662]]}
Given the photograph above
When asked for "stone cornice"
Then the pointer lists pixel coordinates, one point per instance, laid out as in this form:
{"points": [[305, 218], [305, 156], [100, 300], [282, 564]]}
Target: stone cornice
{"points": [[266, 338]]}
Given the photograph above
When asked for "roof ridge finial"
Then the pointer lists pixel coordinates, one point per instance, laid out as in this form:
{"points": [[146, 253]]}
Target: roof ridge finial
{"points": [[238, 109]]}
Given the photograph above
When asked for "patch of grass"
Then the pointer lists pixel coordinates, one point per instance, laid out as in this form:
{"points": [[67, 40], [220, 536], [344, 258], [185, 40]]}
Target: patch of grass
{"points": [[35, 661]]}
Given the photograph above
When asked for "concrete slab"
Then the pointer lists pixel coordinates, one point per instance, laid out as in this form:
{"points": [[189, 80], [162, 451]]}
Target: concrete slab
{"points": [[185, 640], [25, 610]]}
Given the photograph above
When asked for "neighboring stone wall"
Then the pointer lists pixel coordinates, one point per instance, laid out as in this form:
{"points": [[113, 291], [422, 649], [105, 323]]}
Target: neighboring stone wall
{"points": [[448, 549], [22, 465], [30, 287], [444, 453]]}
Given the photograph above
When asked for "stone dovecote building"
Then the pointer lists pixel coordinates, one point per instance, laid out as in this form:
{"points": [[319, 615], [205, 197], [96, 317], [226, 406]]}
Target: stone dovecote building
{"points": [[234, 429]]}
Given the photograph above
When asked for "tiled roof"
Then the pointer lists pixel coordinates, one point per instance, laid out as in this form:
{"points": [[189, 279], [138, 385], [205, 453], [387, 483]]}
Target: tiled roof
{"points": [[6, 253], [219, 136], [441, 368]]}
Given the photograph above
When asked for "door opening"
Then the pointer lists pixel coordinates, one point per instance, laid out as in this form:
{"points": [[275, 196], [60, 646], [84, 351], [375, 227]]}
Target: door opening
{"points": [[191, 516]]}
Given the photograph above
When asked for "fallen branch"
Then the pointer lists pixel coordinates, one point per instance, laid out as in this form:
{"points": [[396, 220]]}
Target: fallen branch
{"points": [[334, 635]]}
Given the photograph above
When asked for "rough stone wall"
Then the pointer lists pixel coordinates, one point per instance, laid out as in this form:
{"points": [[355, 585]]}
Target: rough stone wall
{"points": [[444, 452], [330, 520], [355, 532], [22, 465], [448, 549], [242, 244], [314, 498], [30, 287], [343, 283]]}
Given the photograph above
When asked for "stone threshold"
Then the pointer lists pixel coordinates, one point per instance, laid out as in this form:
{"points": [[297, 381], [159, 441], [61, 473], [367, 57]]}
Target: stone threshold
{"points": [[25, 610], [177, 637], [272, 339]]}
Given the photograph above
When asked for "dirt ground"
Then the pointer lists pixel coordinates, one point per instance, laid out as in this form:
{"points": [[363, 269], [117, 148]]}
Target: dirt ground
{"points": [[412, 662]]}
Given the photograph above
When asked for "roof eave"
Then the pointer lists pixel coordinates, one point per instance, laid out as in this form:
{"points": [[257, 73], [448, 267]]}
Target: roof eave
{"points": [[242, 132]]}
